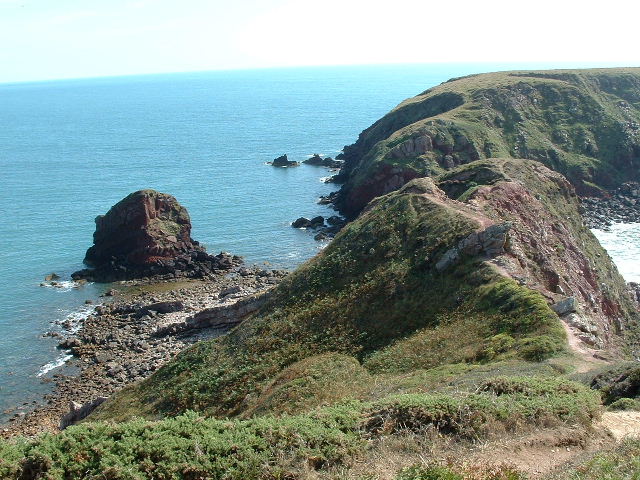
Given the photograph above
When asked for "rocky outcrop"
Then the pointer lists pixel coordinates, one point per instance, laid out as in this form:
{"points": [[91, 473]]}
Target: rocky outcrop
{"points": [[489, 243], [535, 234], [218, 317], [79, 411], [621, 206], [283, 161], [148, 234], [584, 124], [321, 230], [318, 161]]}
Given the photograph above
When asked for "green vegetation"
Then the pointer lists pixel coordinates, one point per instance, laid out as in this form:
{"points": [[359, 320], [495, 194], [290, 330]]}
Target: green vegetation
{"points": [[453, 472], [373, 295], [581, 123], [191, 446], [619, 463], [619, 386]]}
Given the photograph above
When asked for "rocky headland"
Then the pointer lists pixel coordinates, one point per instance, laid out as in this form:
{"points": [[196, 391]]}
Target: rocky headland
{"points": [[147, 235], [584, 124], [466, 303]]}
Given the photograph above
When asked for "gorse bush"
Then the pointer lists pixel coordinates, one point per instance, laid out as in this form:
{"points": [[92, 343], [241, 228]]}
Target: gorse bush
{"points": [[194, 447], [458, 472]]}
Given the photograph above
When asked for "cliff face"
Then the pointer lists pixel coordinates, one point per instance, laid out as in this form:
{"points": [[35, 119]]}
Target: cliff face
{"points": [[550, 249], [584, 124]]}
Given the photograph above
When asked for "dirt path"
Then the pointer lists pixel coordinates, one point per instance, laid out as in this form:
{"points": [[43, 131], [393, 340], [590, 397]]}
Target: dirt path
{"points": [[543, 452], [585, 359]]}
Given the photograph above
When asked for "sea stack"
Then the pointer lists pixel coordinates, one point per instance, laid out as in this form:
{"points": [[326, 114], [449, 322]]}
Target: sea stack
{"points": [[148, 234]]}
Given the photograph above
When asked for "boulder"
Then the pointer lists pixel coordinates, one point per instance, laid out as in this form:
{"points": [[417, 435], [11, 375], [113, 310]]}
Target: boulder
{"points": [[301, 222], [336, 220], [317, 222], [161, 307], [314, 160], [318, 161], [565, 306]]}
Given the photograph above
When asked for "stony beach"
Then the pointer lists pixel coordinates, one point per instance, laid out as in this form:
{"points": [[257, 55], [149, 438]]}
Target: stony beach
{"points": [[140, 327]]}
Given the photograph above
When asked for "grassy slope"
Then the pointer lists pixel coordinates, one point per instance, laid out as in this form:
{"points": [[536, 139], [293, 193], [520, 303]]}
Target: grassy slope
{"points": [[582, 123], [366, 340], [374, 296]]}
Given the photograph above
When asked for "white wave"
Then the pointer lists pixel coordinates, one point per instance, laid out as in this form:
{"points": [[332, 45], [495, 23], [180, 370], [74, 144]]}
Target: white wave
{"points": [[73, 321], [622, 243], [63, 286], [58, 362]]}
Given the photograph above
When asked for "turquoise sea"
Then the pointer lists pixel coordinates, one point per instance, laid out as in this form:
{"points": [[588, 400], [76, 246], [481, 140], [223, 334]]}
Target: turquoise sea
{"points": [[70, 149]]}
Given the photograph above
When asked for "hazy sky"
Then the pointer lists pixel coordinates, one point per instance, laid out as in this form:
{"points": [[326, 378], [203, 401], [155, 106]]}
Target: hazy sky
{"points": [[44, 39]]}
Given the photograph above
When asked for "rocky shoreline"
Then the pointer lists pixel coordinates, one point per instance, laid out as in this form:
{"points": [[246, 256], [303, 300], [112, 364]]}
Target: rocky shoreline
{"points": [[143, 326], [621, 206]]}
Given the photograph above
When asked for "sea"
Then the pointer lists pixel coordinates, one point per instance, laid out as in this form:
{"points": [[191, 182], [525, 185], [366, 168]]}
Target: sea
{"points": [[70, 149]]}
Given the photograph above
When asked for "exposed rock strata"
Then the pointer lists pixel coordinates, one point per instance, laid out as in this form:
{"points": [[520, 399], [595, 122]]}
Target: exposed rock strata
{"points": [[148, 234], [535, 235]]}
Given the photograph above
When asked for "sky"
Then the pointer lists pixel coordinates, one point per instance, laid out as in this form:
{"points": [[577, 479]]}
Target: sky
{"points": [[49, 39]]}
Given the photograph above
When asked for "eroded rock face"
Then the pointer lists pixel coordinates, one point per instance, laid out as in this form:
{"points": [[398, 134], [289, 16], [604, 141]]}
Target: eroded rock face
{"points": [[532, 232], [148, 234]]}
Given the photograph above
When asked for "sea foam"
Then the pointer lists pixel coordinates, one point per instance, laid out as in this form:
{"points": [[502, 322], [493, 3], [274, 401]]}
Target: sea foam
{"points": [[621, 243]]}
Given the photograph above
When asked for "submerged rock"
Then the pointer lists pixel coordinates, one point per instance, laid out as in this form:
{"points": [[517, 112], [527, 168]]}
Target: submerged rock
{"points": [[148, 234]]}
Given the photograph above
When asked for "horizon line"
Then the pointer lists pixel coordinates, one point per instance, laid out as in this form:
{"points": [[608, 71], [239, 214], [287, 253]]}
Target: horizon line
{"points": [[555, 64]]}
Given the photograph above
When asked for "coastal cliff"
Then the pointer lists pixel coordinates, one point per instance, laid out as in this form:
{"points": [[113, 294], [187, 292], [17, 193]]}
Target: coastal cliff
{"points": [[465, 304], [490, 249], [584, 124]]}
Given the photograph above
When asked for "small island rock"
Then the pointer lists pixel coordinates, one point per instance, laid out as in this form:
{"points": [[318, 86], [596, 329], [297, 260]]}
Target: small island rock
{"points": [[148, 234], [283, 161]]}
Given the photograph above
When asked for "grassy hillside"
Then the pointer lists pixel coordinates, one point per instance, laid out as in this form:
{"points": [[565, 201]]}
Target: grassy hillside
{"points": [[427, 320], [377, 297], [584, 124]]}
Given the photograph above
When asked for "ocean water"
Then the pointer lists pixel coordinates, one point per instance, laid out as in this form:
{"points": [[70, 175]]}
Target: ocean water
{"points": [[71, 149], [622, 242]]}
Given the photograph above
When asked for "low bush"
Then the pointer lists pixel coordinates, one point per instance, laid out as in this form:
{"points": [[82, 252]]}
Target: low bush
{"points": [[191, 446]]}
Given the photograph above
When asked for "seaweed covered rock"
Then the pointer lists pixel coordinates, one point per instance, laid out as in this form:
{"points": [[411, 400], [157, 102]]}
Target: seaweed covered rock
{"points": [[148, 234], [584, 124]]}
